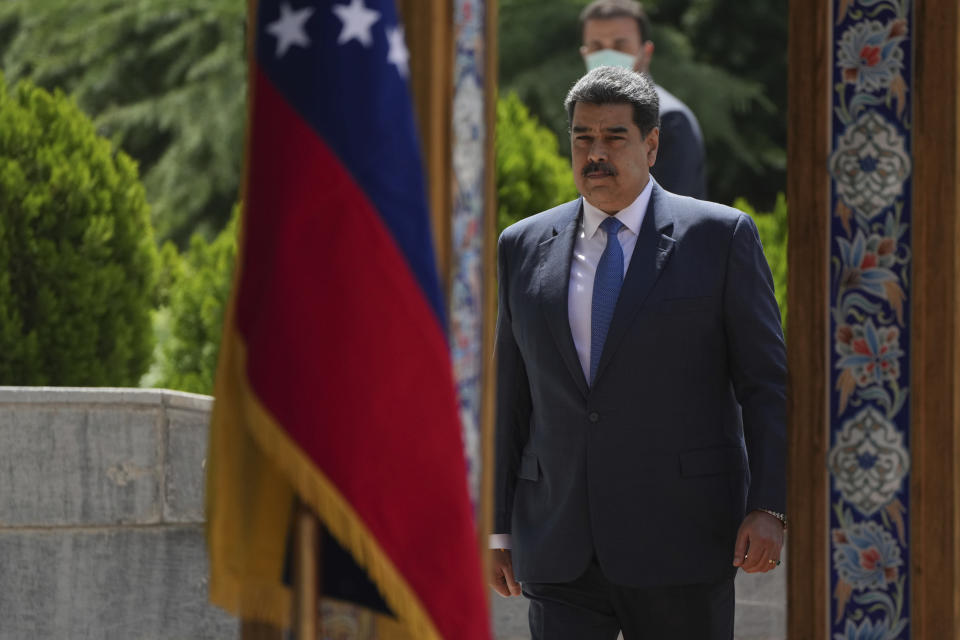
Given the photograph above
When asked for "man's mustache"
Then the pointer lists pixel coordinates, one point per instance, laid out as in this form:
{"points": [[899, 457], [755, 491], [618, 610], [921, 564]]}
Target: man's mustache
{"points": [[599, 167]]}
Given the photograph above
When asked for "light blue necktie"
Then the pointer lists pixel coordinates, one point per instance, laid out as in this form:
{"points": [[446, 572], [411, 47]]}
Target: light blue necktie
{"points": [[606, 289]]}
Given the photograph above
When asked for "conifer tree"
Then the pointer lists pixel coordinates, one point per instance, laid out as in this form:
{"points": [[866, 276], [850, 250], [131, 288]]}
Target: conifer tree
{"points": [[199, 292], [531, 175], [77, 255], [164, 79]]}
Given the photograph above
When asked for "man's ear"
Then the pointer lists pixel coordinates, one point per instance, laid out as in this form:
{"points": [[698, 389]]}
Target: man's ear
{"points": [[653, 144], [643, 60]]}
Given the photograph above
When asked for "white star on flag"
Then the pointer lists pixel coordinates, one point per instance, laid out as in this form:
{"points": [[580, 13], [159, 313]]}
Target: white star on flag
{"points": [[289, 28], [398, 53], [357, 20]]}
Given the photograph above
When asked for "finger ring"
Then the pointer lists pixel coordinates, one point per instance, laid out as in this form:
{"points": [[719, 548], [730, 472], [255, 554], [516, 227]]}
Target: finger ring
{"points": [[775, 563]]}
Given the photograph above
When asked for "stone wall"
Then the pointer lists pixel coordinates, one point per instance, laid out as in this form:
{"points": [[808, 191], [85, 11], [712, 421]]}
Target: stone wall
{"points": [[101, 515]]}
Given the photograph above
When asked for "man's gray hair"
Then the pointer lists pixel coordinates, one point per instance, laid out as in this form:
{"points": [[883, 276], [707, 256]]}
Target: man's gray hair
{"points": [[616, 85]]}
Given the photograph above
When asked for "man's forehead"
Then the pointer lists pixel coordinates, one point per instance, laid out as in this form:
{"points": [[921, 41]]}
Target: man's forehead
{"points": [[605, 116], [619, 27]]}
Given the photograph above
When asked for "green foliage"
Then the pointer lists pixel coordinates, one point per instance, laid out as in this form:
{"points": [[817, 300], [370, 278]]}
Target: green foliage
{"points": [[773, 235], [726, 61], [748, 40], [531, 175], [539, 57], [77, 256], [189, 330], [165, 80]]}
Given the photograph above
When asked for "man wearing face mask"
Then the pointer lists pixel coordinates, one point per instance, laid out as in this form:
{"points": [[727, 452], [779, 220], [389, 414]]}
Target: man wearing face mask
{"points": [[616, 33]]}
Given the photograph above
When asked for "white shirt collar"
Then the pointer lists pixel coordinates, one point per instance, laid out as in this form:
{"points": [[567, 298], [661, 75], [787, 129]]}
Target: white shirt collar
{"points": [[631, 216]]}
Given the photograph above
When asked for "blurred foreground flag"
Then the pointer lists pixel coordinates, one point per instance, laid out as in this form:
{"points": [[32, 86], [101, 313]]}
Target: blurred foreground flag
{"points": [[334, 382]]}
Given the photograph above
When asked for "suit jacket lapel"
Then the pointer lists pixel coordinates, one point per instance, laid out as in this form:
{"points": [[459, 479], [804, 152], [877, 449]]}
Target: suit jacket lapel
{"points": [[556, 254], [650, 255]]}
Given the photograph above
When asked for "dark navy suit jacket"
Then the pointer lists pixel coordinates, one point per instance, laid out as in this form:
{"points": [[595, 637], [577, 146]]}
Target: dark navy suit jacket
{"points": [[653, 467], [681, 158]]}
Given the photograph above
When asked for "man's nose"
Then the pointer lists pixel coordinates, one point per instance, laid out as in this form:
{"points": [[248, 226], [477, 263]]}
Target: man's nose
{"points": [[597, 152]]}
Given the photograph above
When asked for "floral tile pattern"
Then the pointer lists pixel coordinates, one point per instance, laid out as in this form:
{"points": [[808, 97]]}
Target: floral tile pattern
{"points": [[870, 164], [466, 282], [869, 461]]}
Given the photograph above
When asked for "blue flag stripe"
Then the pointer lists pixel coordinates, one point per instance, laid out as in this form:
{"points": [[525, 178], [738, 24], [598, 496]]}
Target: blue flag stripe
{"points": [[358, 102]]}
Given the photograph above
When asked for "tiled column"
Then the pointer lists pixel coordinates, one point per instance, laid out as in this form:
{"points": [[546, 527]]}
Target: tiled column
{"points": [[875, 389], [453, 49]]}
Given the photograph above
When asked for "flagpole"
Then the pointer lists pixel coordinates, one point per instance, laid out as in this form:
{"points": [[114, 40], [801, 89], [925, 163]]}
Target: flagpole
{"points": [[306, 574]]}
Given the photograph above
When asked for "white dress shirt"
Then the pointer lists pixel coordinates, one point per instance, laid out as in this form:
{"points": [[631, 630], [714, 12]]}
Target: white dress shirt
{"points": [[591, 241], [589, 246]]}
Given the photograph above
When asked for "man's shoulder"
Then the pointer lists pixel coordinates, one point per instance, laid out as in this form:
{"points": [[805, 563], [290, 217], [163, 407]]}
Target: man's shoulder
{"points": [[669, 102], [540, 223], [673, 107], [690, 212]]}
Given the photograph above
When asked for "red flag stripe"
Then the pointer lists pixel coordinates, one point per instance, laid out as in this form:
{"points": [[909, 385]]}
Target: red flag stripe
{"points": [[346, 353]]}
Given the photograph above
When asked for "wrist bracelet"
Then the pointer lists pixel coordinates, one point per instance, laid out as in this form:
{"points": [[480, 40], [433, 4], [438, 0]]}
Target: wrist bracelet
{"points": [[779, 516]]}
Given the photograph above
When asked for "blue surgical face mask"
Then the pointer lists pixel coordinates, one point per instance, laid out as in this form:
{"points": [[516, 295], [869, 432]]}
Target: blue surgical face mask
{"points": [[609, 58]]}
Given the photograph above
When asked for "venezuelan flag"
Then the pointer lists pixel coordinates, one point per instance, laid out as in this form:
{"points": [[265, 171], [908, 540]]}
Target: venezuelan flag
{"points": [[334, 382]]}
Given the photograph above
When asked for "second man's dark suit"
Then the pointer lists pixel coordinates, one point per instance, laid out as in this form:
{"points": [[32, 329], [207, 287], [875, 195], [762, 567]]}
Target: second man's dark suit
{"points": [[681, 158]]}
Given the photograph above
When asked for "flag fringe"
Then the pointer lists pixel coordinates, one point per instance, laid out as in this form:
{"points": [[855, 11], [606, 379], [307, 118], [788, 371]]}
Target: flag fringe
{"points": [[246, 534], [336, 513]]}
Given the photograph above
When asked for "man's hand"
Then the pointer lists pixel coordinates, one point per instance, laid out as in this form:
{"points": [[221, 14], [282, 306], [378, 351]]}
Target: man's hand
{"points": [[501, 573], [759, 543]]}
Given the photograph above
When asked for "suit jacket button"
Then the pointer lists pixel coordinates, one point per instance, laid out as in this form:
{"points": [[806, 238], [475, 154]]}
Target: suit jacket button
{"points": [[594, 416]]}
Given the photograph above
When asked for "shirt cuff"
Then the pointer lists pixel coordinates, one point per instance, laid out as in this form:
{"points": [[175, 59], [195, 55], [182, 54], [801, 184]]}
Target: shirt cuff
{"points": [[500, 541]]}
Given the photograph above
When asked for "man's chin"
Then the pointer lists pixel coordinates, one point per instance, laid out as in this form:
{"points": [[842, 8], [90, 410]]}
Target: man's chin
{"points": [[604, 191], [603, 199]]}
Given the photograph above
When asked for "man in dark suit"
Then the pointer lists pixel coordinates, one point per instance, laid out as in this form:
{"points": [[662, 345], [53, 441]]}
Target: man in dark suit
{"points": [[617, 33], [640, 444]]}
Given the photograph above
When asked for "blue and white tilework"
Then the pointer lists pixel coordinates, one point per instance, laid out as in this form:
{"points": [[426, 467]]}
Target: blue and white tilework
{"points": [[871, 180], [467, 272]]}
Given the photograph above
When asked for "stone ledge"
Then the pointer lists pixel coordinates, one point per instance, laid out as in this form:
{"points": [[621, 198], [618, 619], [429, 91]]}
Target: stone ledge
{"points": [[80, 464], [184, 465], [105, 395], [100, 457]]}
